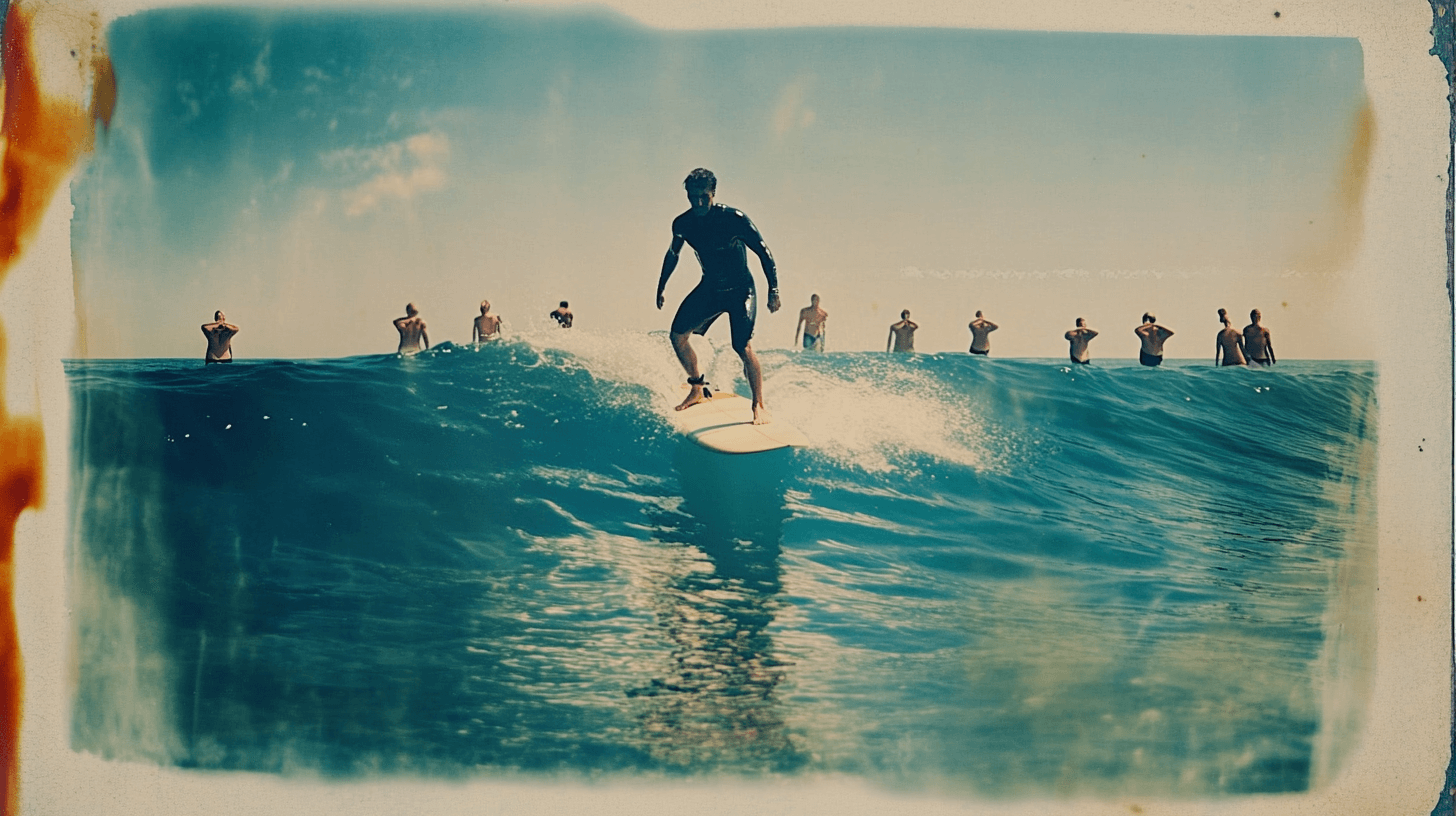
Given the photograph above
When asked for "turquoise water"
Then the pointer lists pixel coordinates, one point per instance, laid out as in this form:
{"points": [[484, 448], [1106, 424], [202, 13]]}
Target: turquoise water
{"points": [[996, 577]]}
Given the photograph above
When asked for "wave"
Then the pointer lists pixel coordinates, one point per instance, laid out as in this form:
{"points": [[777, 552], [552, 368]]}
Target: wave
{"points": [[1005, 576]]}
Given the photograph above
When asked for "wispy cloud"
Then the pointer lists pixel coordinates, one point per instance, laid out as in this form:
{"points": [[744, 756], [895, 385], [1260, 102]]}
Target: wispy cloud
{"points": [[791, 113], [257, 77], [395, 171]]}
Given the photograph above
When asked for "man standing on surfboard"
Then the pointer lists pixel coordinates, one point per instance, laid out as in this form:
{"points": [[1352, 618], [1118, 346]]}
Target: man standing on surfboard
{"points": [[718, 235]]}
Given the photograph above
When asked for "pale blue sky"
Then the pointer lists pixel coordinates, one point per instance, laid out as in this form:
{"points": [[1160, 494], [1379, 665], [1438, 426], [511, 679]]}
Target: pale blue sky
{"points": [[309, 172]]}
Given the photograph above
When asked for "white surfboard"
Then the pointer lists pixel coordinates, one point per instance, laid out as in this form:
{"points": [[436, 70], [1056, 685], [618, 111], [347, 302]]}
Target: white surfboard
{"points": [[725, 424]]}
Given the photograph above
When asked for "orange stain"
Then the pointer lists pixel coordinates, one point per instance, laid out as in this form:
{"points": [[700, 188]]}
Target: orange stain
{"points": [[42, 135]]}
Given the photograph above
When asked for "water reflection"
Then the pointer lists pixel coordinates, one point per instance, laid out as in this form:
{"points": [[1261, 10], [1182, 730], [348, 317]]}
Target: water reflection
{"points": [[714, 706]]}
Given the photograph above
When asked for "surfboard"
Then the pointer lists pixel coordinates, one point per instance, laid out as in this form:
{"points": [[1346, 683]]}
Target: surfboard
{"points": [[725, 424]]}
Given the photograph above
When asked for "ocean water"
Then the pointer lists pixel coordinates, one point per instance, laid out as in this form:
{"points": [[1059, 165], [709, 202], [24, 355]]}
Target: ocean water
{"points": [[1000, 578]]}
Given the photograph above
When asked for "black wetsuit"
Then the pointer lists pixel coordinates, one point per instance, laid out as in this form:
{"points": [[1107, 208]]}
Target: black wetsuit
{"points": [[721, 239]]}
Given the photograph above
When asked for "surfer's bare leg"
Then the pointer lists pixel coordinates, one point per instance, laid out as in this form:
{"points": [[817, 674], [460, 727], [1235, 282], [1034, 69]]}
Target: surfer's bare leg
{"points": [[689, 360], [754, 375]]}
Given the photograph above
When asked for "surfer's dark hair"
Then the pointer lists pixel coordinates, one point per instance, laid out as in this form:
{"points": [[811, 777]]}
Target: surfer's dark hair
{"points": [[702, 177]]}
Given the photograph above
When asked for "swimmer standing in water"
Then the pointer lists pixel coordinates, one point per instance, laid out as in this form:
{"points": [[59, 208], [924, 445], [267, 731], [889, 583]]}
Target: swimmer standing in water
{"points": [[902, 334], [1079, 338], [1229, 344], [1152, 336], [1258, 343], [487, 326], [219, 335], [411, 330]]}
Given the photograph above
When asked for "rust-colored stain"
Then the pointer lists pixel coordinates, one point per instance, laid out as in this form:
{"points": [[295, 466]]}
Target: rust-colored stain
{"points": [[42, 134]]}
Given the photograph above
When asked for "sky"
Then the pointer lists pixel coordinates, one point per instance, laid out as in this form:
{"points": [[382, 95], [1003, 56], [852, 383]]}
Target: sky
{"points": [[311, 171]]}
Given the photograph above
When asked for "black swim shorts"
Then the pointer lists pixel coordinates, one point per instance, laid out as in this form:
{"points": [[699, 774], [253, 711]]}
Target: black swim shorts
{"points": [[1149, 359], [704, 305]]}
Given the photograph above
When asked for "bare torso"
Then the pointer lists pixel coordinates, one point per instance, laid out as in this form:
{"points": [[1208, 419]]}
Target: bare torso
{"points": [[980, 334], [411, 334], [1153, 336], [813, 319], [1230, 343], [1256, 342], [487, 327], [1079, 338], [219, 340], [904, 334]]}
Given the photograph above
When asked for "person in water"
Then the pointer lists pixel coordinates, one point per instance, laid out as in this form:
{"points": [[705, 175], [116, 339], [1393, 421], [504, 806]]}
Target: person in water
{"points": [[1152, 336], [902, 334], [1228, 344], [981, 329], [487, 326], [219, 334], [1258, 343], [1079, 338], [411, 330], [562, 315], [719, 236], [812, 320]]}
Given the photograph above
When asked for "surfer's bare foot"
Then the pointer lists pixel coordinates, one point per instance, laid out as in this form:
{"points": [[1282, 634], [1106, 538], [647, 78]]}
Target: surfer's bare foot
{"points": [[760, 414], [695, 396]]}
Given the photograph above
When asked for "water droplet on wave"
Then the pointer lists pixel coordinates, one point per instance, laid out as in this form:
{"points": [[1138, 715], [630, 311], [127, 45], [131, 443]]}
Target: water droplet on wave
{"points": [[228, 427]]}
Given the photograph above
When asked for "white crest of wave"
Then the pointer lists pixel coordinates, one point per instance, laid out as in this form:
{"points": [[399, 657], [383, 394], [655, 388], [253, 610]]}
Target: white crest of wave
{"points": [[874, 413]]}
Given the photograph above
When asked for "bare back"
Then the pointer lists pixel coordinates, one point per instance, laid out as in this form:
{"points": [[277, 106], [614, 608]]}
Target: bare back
{"points": [[1079, 338], [1153, 336], [412, 332], [219, 340], [1257, 342], [1230, 343], [904, 334]]}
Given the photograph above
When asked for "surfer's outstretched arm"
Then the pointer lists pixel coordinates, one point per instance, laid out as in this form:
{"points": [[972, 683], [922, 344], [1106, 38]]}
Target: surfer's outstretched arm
{"points": [[669, 263]]}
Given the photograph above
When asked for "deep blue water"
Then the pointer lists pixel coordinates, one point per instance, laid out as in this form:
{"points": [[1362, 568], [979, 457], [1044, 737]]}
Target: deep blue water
{"points": [[998, 577]]}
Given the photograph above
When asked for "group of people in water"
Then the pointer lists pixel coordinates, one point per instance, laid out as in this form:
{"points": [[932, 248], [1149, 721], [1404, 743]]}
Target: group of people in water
{"points": [[1252, 346], [721, 237]]}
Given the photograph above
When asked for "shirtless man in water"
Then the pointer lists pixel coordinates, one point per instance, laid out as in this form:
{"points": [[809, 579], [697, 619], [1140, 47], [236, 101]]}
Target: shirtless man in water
{"points": [[812, 319], [219, 335], [1079, 338], [902, 334], [1258, 343], [1152, 336], [719, 235], [1228, 343], [411, 330], [981, 329], [487, 326]]}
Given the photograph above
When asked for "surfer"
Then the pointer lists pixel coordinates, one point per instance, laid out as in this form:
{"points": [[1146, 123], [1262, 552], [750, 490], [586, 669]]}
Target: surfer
{"points": [[812, 319], [487, 326], [1257, 342], [718, 235], [219, 335], [902, 334], [411, 330], [981, 329], [562, 315], [1079, 338], [1152, 336], [1228, 344]]}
